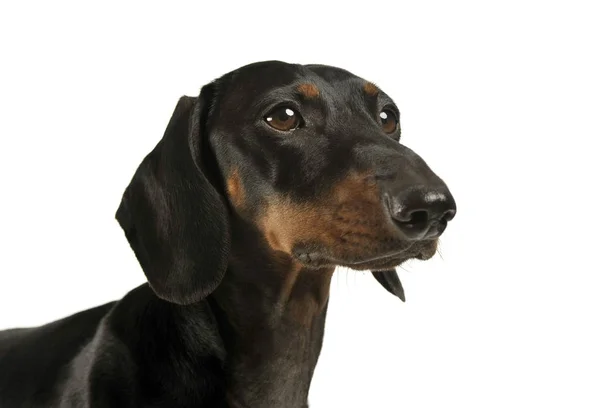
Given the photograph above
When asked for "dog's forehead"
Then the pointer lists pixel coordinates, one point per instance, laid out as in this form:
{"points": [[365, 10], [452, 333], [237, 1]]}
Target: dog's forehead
{"points": [[254, 80], [264, 74]]}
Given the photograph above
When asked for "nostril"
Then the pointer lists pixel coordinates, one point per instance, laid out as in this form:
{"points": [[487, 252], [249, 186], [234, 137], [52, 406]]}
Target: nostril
{"points": [[414, 224], [449, 215], [417, 217]]}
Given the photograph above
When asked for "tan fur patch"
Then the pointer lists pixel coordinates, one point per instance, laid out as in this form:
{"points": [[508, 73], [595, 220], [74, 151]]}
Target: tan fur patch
{"points": [[371, 89], [308, 90], [285, 222], [235, 189], [304, 293], [347, 220], [309, 294]]}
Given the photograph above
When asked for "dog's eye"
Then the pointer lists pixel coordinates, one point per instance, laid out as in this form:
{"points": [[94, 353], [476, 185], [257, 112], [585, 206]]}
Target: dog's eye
{"points": [[283, 119], [389, 121]]}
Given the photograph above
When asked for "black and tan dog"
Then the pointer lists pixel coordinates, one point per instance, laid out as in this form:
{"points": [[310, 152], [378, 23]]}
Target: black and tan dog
{"points": [[264, 183]]}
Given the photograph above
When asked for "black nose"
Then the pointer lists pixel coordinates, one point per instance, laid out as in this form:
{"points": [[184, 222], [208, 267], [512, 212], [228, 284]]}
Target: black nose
{"points": [[422, 212]]}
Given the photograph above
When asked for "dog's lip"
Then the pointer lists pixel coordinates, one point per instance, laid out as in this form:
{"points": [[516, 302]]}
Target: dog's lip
{"points": [[378, 259], [316, 257]]}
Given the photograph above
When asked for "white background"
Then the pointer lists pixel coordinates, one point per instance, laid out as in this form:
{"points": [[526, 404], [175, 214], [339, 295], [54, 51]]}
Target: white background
{"points": [[501, 98]]}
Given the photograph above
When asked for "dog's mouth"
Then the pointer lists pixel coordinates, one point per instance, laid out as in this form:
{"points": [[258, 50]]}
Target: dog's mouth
{"points": [[313, 257]]}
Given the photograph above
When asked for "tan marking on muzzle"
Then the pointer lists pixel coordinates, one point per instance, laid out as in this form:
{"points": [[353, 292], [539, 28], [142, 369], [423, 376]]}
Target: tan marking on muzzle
{"points": [[285, 222]]}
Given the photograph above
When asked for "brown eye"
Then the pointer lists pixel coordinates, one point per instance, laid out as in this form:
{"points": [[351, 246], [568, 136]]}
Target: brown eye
{"points": [[389, 121], [283, 119]]}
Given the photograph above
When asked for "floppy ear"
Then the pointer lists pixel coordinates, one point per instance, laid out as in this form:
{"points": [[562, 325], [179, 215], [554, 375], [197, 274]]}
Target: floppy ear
{"points": [[173, 217], [391, 282]]}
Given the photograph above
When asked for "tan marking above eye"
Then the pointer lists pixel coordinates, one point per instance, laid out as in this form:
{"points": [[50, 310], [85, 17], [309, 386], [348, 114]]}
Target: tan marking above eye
{"points": [[308, 90], [371, 89]]}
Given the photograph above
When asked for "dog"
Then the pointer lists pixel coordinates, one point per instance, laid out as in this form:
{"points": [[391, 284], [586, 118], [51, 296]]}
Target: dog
{"points": [[261, 185]]}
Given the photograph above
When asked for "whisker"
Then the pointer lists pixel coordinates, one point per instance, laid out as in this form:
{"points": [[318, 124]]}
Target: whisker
{"points": [[403, 268], [439, 250]]}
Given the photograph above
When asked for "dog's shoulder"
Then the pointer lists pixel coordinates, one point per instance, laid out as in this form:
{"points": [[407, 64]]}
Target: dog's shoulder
{"points": [[150, 350], [32, 359]]}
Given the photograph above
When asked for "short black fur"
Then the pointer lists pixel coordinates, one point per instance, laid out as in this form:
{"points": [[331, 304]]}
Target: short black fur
{"points": [[238, 228]]}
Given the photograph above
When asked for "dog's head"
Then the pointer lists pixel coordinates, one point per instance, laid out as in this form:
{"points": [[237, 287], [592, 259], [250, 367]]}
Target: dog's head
{"points": [[309, 155]]}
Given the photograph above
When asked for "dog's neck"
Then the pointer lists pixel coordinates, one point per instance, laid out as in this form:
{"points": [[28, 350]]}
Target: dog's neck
{"points": [[272, 318]]}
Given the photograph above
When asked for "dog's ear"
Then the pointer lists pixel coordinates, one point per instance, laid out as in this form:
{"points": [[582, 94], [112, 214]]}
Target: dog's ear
{"points": [[391, 282], [174, 218]]}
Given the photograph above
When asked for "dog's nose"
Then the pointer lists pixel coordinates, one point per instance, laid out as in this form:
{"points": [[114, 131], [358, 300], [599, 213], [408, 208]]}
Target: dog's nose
{"points": [[422, 212]]}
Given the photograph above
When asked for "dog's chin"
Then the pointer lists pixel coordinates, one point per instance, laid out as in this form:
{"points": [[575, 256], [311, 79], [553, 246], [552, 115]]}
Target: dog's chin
{"points": [[427, 251], [375, 262]]}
